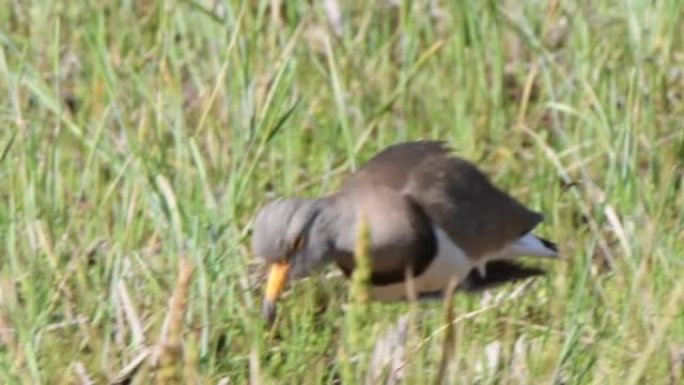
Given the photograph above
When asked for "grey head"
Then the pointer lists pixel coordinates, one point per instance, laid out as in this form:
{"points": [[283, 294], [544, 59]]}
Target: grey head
{"points": [[292, 230], [293, 236]]}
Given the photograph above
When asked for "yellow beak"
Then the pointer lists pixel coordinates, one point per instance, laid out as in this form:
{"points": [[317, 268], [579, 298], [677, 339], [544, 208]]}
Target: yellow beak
{"points": [[277, 276]]}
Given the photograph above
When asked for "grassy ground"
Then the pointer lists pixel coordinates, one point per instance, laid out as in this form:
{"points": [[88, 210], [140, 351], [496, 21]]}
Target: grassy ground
{"points": [[139, 134]]}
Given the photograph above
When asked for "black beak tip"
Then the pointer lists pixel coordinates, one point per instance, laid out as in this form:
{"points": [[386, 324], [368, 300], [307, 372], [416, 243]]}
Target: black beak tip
{"points": [[268, 310], [551, 245]]}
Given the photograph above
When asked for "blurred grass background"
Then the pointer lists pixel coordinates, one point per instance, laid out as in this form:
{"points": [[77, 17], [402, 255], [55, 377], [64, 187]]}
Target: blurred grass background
{"points": [[137, 135]]}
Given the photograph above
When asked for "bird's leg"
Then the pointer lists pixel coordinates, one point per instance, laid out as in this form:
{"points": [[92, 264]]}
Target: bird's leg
{"points": [[482, 269]]}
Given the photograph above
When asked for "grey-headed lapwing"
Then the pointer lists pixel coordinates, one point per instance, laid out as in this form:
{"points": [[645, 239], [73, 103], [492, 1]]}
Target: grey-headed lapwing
{"points": [[427, 211]]}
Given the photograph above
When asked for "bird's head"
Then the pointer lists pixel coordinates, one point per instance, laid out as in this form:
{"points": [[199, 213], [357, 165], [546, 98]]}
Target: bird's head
{"points": [[288, 238]]}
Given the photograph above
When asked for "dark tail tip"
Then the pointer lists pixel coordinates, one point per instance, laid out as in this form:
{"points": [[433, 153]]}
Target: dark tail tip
{"points": [[549, 244]]}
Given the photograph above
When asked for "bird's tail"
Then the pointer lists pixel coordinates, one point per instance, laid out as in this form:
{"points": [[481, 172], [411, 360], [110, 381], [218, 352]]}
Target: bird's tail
{"points": [[533, 246]]}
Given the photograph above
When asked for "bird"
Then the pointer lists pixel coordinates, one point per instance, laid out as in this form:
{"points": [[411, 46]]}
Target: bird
{"points": [[428, 211]]}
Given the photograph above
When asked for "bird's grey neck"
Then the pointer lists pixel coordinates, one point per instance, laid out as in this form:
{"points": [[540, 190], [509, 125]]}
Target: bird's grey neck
{"points": [[328, 226], [322, 230]]}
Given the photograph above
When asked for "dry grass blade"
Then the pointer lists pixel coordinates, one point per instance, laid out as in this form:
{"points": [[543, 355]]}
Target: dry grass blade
{"points": [[672, 307], [389, 355], [448, 343], [254, 368], [126, 374], [676, 365], [497, 302], [170, 348], [132, 318], [618, 229], [82, 374], [172, 205], [332, 11], [8, 341]]}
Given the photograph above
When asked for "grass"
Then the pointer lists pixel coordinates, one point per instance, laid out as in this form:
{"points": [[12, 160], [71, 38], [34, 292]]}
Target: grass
{"points": [[139, 134]]}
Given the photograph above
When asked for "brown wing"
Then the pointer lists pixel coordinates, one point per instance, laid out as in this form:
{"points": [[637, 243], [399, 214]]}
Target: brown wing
{"points": [[461, 200], [454, 193], [392, 166]]}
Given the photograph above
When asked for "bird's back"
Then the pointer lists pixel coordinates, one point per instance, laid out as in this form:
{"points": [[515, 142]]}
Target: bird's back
{"points": [[392, 166], [456, 196]]}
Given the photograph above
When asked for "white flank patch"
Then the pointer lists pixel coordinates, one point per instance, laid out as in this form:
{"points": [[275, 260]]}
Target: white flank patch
{"points": [[450, 262], [529, 245]]}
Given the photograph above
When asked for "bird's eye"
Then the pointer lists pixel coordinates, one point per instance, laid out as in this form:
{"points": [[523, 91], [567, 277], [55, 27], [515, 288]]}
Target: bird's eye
{"points": [[297, 244], [293, 248]]}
